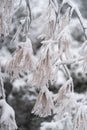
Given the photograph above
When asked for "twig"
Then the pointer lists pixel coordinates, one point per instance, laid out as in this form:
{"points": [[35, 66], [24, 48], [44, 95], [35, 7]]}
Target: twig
{"points": [[16, 34], [73, 61], [54, 5], [66, 69], [29, 9]]}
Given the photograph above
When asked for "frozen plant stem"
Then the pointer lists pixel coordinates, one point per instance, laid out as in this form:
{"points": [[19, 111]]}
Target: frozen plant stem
{"points": [[69, 62], [66, 69]]}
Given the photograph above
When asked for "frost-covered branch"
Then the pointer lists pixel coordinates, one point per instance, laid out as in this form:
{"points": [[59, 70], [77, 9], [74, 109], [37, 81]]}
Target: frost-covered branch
{"points": [[7, 119], [75, 8]]}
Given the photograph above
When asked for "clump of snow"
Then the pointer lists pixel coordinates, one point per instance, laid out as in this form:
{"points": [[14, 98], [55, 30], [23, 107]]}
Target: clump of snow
{"points": [[17, 84]]}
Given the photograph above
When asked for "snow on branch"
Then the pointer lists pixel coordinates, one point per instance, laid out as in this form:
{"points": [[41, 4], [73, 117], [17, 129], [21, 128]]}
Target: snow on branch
{"points": [[7, 115], [75, 8], [7, 119]]}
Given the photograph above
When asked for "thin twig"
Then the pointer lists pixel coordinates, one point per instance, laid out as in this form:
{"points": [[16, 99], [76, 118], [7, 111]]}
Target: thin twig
{"points": [[54, 5], [73, 61], [29, 9], [66, 69], [16, 34]]}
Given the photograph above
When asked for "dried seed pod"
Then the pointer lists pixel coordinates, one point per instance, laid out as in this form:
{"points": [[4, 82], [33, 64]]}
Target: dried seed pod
{"points": [[64, 40], [21, 61], [64, 90], [50, 23], [43, 71], [44, 104]]}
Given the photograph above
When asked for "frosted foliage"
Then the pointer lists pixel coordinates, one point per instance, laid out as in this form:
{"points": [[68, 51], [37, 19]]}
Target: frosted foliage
{"points": [[21, 61], [2, 28], [83, 52], [43, 70], [84, 64], [44, 104], [2, 92], [64, 20], [83, 49], [64, 40], [64, 90], [49, 23], [6, 12], [63, 100], [7, 121], [80, 122]]}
